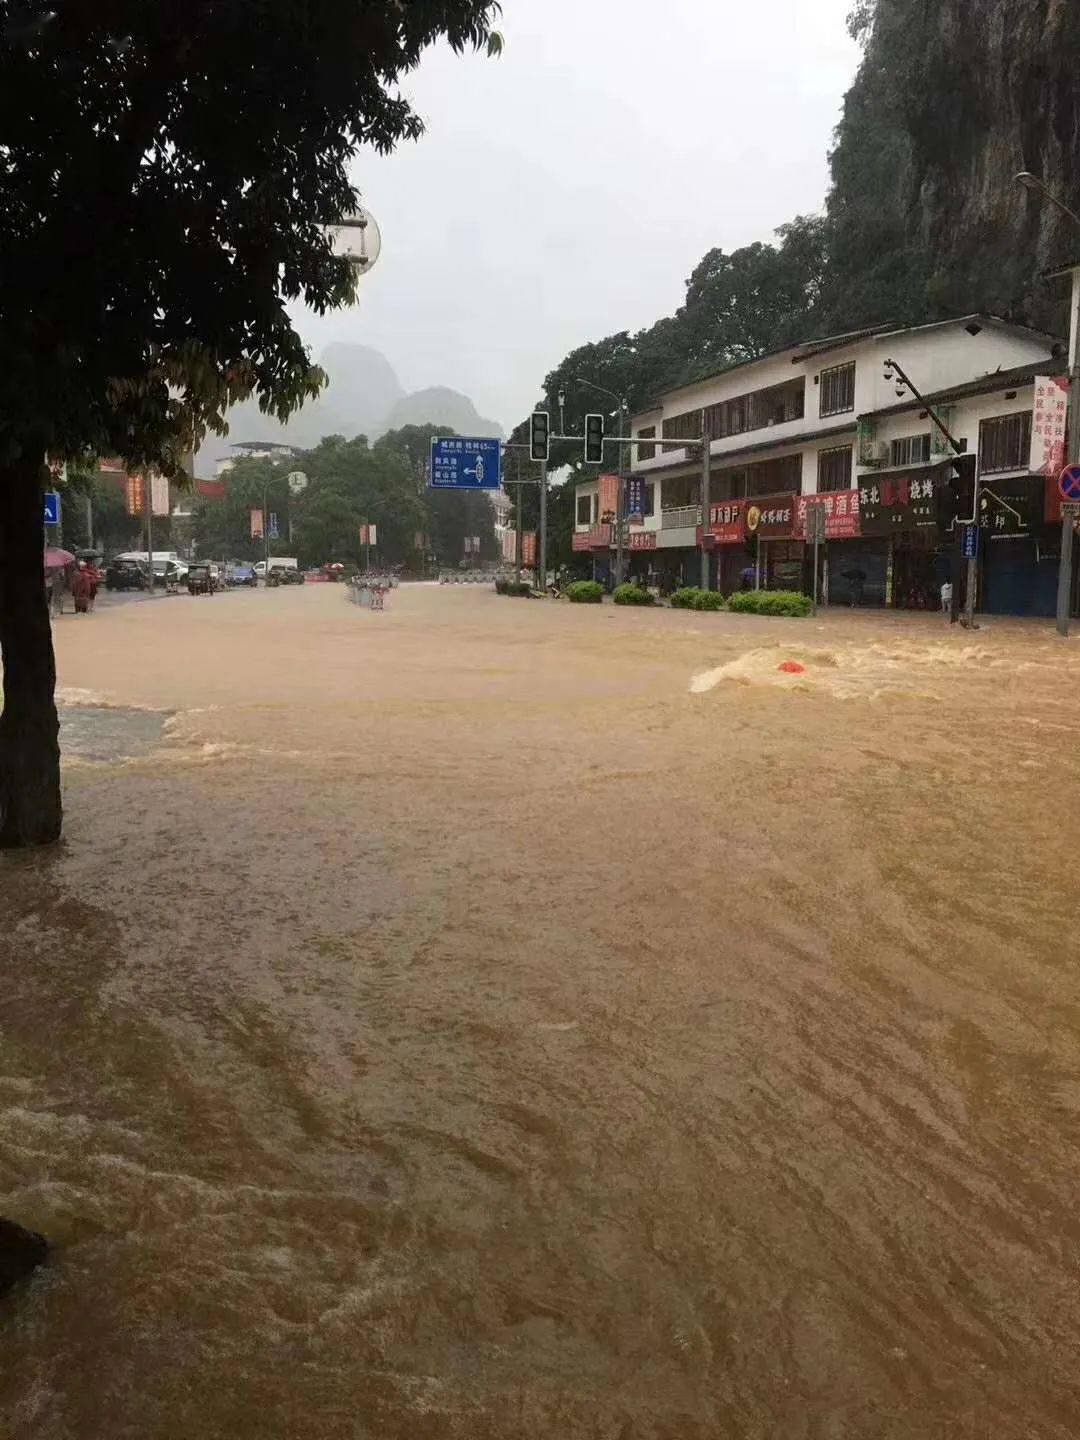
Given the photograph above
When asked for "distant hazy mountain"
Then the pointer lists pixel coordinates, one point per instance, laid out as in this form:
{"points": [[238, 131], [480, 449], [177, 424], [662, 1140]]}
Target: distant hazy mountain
{"points": [[364, 397], [439, 405]]}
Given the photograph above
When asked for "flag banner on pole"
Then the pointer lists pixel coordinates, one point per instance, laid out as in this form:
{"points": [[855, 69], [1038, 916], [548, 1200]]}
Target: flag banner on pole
{"points": [[256, 524], [372, 531], [135, 494], [528, 547], [159, 495]]}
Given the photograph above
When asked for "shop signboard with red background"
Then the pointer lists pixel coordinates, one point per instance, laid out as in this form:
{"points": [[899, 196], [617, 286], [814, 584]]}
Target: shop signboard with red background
{"points": [[642, 540], [732, 522], [904, 501], [608, 490], [841, 509], [772, 517], [528, 547]]}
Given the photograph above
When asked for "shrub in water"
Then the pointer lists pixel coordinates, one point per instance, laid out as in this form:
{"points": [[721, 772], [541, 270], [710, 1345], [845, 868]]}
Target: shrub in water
{"points": [[770, 602], [708, 600], [685, 599], [631, 595], [585, 592]]}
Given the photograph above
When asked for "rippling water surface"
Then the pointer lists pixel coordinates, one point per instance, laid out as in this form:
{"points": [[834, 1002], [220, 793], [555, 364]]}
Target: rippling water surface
{"points": [[503, 1019]]}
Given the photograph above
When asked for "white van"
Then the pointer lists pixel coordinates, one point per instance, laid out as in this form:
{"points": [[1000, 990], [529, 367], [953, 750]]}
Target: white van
{"points": [[277, 562]]}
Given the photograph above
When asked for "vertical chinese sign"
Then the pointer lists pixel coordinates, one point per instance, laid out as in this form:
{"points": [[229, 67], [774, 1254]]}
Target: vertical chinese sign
{"points": [[136, 494], [608, 489], [528, 547], [256, 524], [1048, 425]]}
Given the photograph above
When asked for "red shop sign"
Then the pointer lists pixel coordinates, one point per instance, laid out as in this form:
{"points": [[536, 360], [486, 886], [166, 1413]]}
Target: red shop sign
{"points": [[771, 516], [727, 522], [841, 514], [642, 540]]}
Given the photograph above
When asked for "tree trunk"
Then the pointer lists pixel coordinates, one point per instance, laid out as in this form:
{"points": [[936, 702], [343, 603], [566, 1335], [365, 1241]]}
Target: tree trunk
{"points": [[30, 812]]}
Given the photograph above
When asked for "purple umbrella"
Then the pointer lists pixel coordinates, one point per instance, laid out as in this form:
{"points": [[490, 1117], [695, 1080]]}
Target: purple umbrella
{"points": [[58, 559]]}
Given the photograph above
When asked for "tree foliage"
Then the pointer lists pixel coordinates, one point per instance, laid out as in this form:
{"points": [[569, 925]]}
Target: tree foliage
{"points": [[168, 170], [350, 483]]}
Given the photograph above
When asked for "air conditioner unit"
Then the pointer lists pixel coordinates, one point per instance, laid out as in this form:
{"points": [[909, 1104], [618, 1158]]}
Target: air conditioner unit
{"points": [[879, 452]]}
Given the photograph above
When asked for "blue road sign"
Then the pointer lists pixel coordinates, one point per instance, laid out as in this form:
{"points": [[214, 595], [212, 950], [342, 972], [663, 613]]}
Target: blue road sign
{"points": [[52, 507], [1069, 483], [459, 462], [969, 542]]}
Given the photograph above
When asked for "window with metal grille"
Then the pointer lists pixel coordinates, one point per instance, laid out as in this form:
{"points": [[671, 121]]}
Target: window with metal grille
{"points": [[775, 477], [834, 469], [910, 450], [683, 427], [774, 405], [1005, 442], [837, 389], [650, 498], [584, 509], [646, 452]]}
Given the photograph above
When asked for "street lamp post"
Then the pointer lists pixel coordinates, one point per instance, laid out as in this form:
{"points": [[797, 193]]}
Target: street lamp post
{"points": [[1038, 187], [895, 373]]}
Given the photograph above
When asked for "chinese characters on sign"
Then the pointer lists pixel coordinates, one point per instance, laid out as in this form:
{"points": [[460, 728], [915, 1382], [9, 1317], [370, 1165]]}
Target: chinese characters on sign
{"points": [[897, 502], [464, 463], [642, 540], [135, 494], [1009, 507], [772, 517], [635, 498], [841, 509], [727, 521], [528, 547], [256, 524], [1048, 425]]}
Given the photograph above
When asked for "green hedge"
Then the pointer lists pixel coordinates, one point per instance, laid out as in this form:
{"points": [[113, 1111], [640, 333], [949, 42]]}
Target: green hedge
{"points": [[585, 592], [709, 600], [631, 595], [690, 598], [512, 587], [769, 602]]}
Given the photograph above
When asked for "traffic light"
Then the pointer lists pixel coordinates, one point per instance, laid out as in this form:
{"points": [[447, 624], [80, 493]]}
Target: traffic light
{"points": [[956, 497], [539, 434], [594, 439]]}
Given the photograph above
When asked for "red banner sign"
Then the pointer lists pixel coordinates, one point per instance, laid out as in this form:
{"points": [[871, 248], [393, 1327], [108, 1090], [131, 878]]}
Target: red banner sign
{"points": [[581, 540], [841, 514], [528, 547], [641, 540], [608, 490], [136, 495], [256, 524]]}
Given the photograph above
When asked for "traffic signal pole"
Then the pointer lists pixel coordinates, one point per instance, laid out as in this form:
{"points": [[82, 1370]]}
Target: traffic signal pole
{"points": [[541, 578]]}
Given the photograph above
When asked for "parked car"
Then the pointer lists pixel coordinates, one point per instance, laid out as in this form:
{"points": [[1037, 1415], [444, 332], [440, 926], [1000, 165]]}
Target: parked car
{"points": [[241, 573], [123, 574]]}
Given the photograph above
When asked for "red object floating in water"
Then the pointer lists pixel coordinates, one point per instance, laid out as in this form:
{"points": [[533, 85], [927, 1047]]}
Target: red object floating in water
{"points": [[792, 667]]}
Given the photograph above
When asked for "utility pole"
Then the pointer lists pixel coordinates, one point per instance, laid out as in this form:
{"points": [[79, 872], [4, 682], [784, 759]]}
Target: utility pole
{"points": [[1064, 591], [147, 510], [520, 523], [620, 501], [706, 502]]}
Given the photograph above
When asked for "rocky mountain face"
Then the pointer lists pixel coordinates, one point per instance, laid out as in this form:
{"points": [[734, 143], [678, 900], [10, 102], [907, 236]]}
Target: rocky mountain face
{"points": [[953, 98], [363, 397]]}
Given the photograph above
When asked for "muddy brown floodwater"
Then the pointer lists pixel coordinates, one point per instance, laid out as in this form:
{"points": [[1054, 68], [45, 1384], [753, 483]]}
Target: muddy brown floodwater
{"points": [[506, 1019]]}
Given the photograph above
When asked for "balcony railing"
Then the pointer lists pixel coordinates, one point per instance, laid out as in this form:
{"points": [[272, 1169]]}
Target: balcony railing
{"points": [[680, 518]]}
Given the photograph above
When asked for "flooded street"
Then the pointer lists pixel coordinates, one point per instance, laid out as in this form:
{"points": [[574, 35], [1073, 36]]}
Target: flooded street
{"points": [[497, 1018]]}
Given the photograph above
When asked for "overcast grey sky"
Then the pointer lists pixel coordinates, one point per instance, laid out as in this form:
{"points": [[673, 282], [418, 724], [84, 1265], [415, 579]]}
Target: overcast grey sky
{"points": [[566, 189]]}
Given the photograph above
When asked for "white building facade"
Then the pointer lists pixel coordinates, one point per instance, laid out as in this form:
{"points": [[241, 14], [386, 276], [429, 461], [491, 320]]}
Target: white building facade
{"points": [[820, 419]]}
